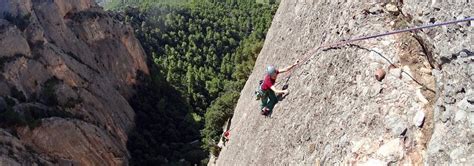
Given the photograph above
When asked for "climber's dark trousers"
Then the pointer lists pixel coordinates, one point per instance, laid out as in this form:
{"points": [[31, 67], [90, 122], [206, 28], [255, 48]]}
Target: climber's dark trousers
{"points": [[269, 100]]}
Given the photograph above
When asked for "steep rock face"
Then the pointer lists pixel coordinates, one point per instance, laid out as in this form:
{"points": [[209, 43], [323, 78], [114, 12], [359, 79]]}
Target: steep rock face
{"points": [[337, 112], [68, 67], [16, 151]]}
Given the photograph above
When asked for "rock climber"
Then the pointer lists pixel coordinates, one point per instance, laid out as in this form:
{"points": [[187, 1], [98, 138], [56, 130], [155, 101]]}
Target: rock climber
{"points": [[270, 92]]}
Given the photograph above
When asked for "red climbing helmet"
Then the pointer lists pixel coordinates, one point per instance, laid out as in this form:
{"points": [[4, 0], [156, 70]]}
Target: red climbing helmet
{"points": [[226, 134]]}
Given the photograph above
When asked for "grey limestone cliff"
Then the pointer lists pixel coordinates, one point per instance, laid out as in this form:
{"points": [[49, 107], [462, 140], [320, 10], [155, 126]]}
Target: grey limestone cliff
{"points": [[422, 112]]}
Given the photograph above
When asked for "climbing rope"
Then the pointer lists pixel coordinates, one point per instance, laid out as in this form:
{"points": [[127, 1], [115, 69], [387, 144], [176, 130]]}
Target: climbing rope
{"points": [[307, 56]]}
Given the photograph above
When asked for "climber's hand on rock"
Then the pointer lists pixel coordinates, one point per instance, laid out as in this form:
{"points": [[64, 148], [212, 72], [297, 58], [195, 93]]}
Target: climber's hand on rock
{"points": [[296, 63]]}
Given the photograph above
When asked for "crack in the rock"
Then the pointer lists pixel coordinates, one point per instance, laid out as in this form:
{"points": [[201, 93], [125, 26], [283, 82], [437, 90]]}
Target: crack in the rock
{"points": [[427, 50]]}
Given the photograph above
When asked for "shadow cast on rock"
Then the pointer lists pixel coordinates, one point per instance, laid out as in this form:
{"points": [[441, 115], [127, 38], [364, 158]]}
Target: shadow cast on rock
{"points": [[463, 53], [165, 133]]}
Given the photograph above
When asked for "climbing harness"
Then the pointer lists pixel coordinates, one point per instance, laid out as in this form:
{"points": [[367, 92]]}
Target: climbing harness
{"points": [[307, 56], [259, 94]]}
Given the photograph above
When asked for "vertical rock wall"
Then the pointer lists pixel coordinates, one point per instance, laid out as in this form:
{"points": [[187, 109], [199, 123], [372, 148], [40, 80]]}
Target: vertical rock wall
{"points": [[68, 67], [337, 112]]}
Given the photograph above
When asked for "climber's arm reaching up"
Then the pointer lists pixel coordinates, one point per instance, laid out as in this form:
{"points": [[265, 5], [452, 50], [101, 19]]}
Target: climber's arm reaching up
{"points": [[288, 68]]}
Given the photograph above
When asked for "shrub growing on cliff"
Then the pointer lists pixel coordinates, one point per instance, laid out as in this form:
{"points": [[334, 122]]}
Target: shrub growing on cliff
{"points": [[30, 115], [17, 94], [48, 93], [10, 118], [21, 21]]}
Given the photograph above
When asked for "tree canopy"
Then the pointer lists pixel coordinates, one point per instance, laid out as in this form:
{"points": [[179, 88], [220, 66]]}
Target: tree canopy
{"points": [[204, 51]]}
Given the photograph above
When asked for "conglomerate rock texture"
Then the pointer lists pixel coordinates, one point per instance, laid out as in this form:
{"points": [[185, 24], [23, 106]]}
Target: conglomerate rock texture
{"points": [[422, 112], [67, 69]]}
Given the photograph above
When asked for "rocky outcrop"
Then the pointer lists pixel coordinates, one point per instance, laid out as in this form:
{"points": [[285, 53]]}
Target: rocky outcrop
{"points": [[14, 152], [66, 71], [337, 112]]}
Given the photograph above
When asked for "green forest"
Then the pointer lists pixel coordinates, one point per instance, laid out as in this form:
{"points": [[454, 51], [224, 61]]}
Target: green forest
{"points": [[200, 54]]}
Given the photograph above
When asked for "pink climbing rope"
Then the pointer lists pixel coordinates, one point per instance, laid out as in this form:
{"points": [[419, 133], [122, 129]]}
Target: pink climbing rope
{"points": [[307, 56]]}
